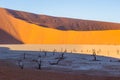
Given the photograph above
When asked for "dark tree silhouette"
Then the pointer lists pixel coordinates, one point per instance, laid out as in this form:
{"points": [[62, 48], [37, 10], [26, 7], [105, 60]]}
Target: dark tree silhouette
{"points": [[94, 55], [39, 63], [55, 63], [39, 56], [20, 64], [45, 52], [54, 51]]}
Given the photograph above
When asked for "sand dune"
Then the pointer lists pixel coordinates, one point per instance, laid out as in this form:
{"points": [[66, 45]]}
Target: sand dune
{"points": [[30, 33], [61, 23], [5, 38]]}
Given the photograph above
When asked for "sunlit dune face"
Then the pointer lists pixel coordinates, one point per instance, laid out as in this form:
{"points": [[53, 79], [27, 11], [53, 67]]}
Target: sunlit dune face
{"points": [[30, 33]]}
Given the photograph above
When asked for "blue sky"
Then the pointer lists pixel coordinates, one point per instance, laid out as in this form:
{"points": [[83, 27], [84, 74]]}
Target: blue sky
{"points": [[102, 10]]}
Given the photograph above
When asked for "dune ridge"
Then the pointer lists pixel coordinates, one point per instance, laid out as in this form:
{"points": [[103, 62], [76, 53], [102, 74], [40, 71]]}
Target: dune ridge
{"points": [[62, 23]]}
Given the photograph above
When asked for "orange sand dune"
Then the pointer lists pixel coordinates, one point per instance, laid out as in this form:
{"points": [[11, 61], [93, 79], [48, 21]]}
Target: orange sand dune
{"points": [[30, 33]]}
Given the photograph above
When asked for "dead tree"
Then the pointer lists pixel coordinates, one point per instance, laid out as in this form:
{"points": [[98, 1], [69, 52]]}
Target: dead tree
{"points": [[74, 50], [39, 56], [20, 64], [61, 56], [55, 63], [45, 53], [54, 51], [65, 51], [39, 63], [118, 52], [94, 55]]}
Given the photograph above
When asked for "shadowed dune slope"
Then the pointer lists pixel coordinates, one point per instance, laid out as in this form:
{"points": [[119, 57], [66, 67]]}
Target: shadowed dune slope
{"points": [[63, 23], [5, 38], [30, 33]]}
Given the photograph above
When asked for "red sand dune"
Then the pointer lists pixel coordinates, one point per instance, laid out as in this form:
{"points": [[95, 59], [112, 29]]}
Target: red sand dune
{"points": [[31, 28], [63, 23]]}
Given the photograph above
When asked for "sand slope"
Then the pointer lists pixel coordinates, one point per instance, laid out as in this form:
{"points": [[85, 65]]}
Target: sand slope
{"points": [[33, 34], [62, 23], [5, 38]]}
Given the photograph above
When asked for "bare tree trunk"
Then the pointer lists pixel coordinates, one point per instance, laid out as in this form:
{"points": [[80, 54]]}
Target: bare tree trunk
{"points": [[20, 64], [45, 52], [54, 51], [94, 55], [39, 63]]}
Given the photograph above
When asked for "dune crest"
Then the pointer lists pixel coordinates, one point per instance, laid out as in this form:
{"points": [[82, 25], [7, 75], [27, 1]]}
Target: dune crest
{"points": [[62, 23]]}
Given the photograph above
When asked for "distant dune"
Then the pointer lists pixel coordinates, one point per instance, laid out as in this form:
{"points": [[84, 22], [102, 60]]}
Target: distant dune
{"points": [[31, 28], [63, 23]]}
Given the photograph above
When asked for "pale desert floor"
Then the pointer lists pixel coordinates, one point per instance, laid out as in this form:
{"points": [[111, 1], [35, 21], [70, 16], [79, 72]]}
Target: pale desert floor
{"points": [[104, 50], [77, 64]]}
